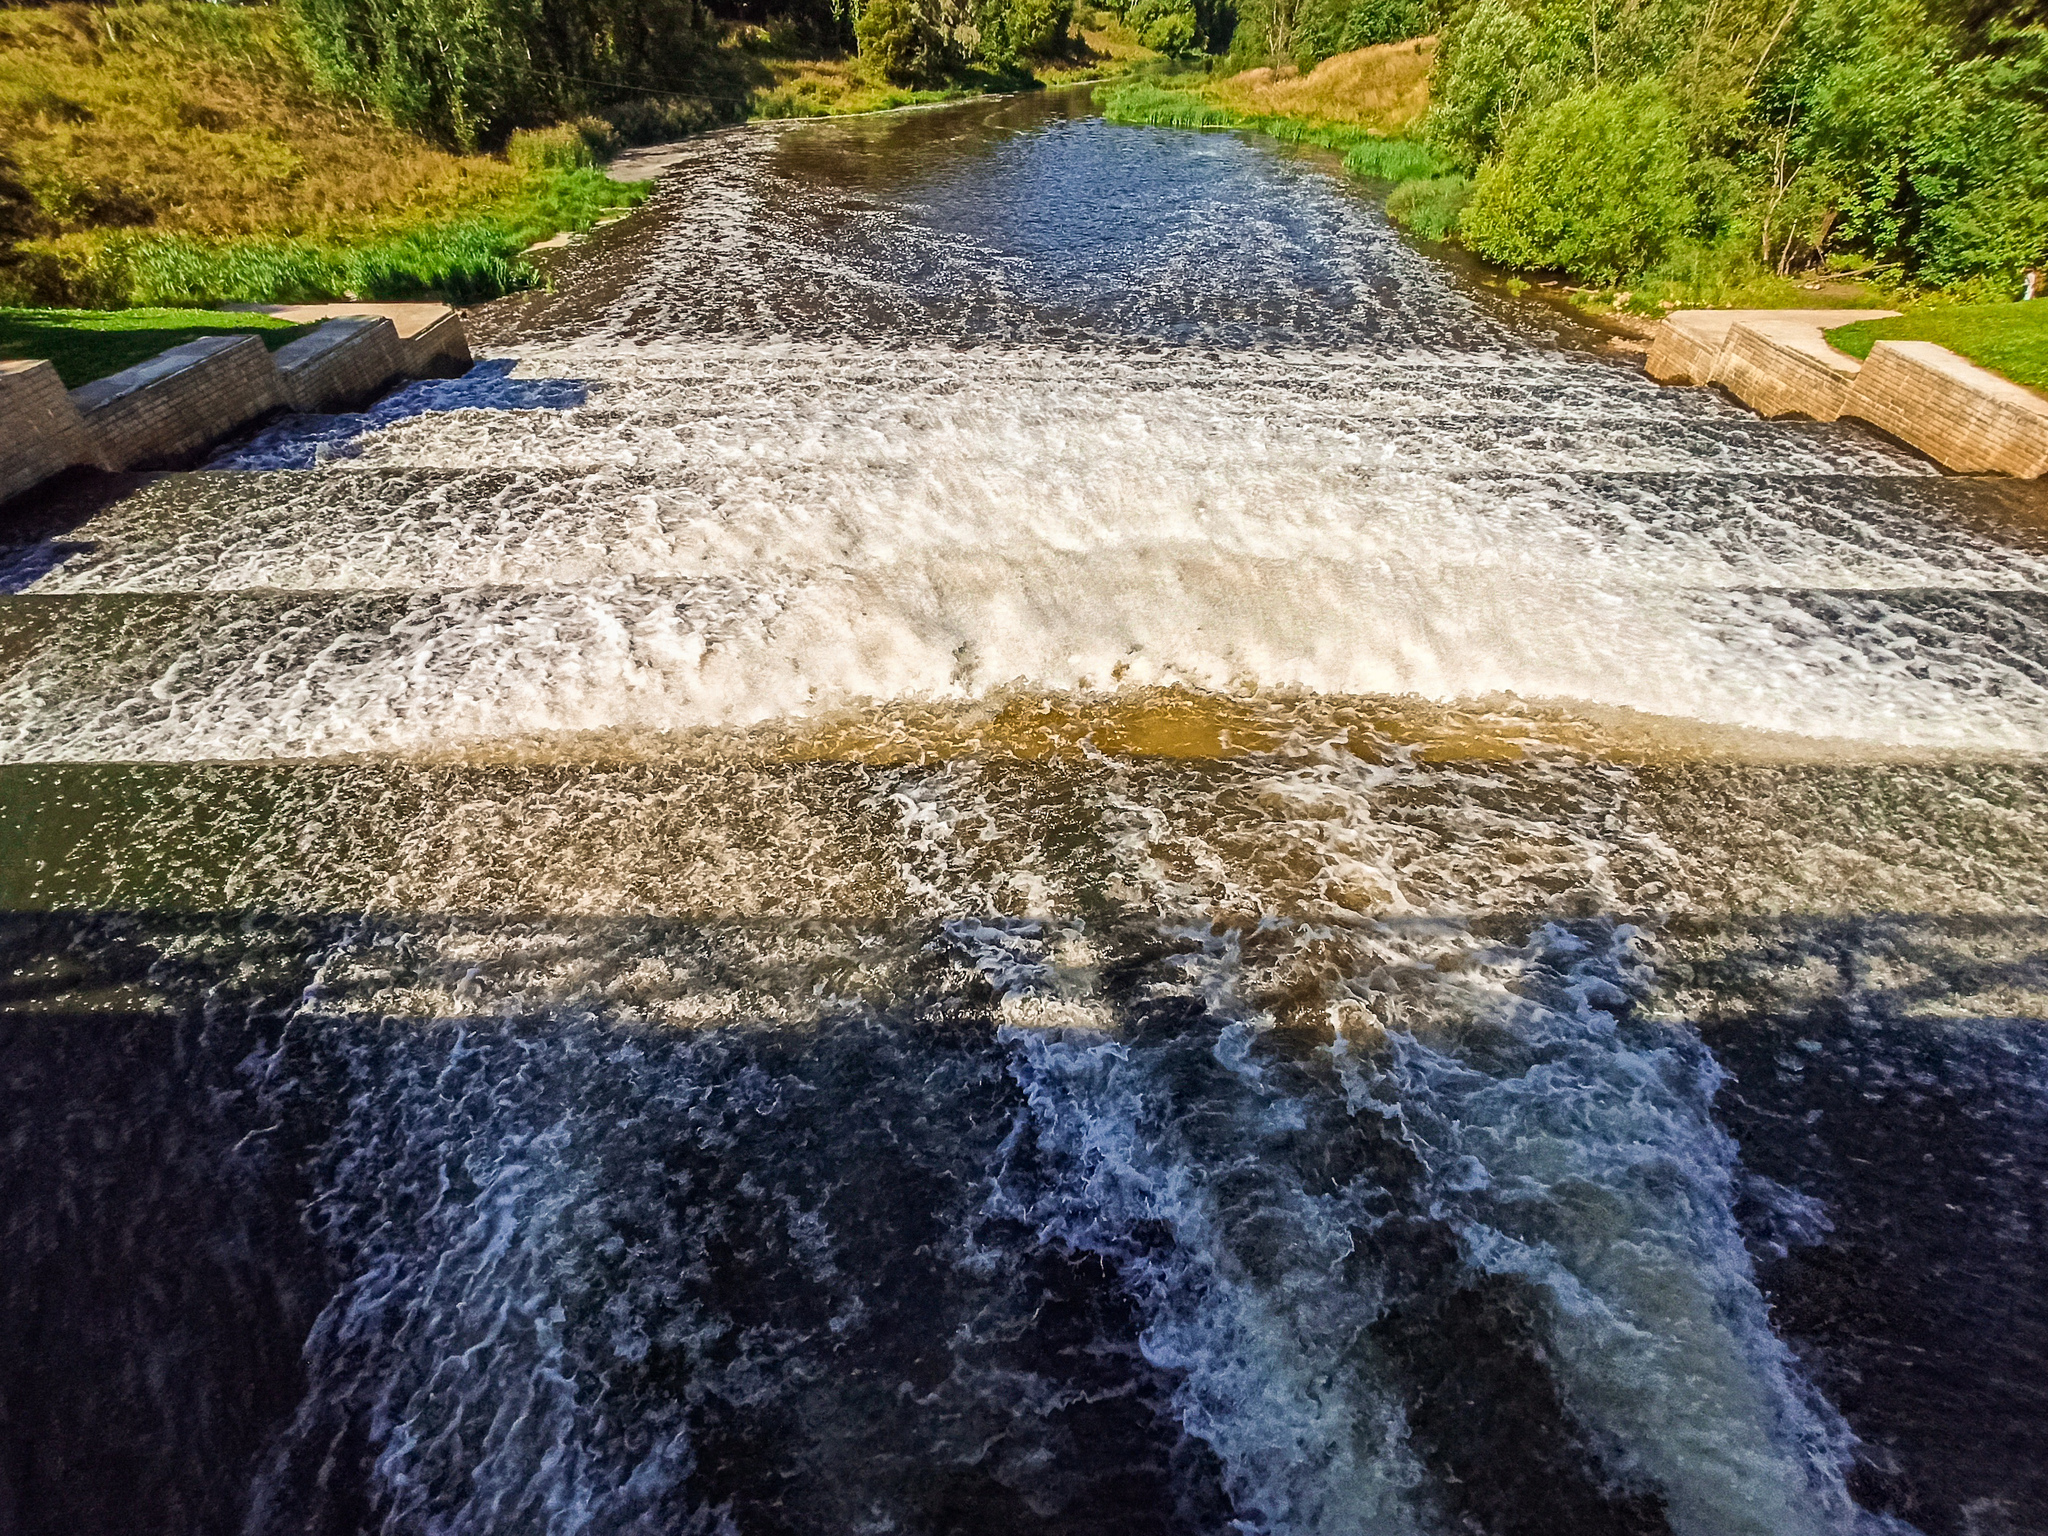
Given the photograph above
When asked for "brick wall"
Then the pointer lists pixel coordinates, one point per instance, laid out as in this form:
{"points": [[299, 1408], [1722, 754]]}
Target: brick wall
{"points": [[1956, 413], [160, 413], [341, 365], [40, 429]]}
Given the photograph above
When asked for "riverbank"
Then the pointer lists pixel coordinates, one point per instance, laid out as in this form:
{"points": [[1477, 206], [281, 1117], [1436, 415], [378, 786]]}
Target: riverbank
{"points": [[182, 154], [1361, 104]]}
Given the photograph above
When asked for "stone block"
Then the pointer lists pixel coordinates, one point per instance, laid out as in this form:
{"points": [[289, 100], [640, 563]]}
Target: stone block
{"points": [[430, 336], [439, 350], [40, 429], [1961, 416], [1688, 344], [1785, 368], [1685, 347], [341, 365], [159, 414]]}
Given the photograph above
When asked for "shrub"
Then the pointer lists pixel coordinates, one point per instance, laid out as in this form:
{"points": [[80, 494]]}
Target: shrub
{"points": [[1480, 80], [1431, 207], [469, 71], [1168, 26], [1383, 21], [1595, 185], [1008, 30], [660, 119], [899, 42]]}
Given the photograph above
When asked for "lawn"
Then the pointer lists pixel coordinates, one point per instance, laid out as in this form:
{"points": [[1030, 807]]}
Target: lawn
{"points": [[88, 344], [2010, 339]]}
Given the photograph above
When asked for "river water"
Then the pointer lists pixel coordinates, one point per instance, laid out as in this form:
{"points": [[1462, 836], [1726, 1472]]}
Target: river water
{"points": [[1014, 827]]}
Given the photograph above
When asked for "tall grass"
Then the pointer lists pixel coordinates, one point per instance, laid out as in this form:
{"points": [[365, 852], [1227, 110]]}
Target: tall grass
{"points": [[1367, 154], [180, 154], [465, 259]]}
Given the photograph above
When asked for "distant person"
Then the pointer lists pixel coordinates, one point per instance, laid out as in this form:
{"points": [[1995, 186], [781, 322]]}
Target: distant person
{"points": [[2033, 284]]}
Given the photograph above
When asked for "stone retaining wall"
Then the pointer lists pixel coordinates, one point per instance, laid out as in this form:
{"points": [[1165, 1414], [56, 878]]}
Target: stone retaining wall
{"points": [[163, 413], [1689, 344], [159, 413], [1785, 369], [340, 365], [1779, 363], [1956, 413], [40, 429]]}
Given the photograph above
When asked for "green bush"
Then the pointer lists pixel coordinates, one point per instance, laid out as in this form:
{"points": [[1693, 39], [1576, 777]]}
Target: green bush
{"points": [[1594, 184], [900, 42], [1169, 26], [1006, 31], [469, 71], [660, 119], [1431, 207], [1383, 21], [1910, 135]]}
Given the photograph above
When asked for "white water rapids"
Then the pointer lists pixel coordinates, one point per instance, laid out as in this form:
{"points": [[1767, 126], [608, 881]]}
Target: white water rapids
{"points": [[1013, 827]]}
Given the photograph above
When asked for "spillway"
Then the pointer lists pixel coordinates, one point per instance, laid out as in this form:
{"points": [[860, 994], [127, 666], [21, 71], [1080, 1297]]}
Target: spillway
{"points": [[1014, 826]]}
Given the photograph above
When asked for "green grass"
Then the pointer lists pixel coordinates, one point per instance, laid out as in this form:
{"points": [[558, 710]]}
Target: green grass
{"points": [[1371, 155], [2009, 339], [87, 344], [1368, 155], [463, 259]]}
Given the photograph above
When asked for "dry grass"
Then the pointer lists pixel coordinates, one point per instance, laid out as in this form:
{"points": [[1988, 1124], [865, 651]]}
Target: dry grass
{"points": [[1109, 40], [1385, 87], [200, 119], [831, 87]]}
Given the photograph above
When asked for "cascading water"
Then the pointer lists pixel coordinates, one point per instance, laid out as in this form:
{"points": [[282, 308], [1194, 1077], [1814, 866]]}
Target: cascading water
{"points": [[1012, 827]]}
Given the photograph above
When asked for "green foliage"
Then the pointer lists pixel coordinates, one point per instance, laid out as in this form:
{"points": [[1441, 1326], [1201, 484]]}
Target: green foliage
{"points": [[1594, 184], [984, 43], [469, 71], [1305, 32], [1383, 21], [1008, 31], [465, 259], [1377, 159], [1366, 154], [660, 119], [1149, 103], [1897, 130], [1167, 26], [2011, 339], [87, 344], [1482, 78], [1430, 206], [900, 41]]}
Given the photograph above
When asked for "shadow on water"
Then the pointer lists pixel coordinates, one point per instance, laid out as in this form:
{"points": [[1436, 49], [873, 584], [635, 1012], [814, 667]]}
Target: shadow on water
{"points": [[750, 1277], [281, 1261]]}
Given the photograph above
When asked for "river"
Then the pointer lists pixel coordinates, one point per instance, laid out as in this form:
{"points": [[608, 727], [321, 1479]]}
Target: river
{"points": [[1015, 827]]}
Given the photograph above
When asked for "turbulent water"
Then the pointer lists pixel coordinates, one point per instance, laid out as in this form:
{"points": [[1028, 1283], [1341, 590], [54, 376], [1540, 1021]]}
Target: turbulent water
{"points": [[1013, 827]]}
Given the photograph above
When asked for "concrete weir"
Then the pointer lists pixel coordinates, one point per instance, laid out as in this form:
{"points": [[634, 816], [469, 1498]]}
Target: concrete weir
{"points": [[163, 412], [1778, 362], [41, 431]]}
